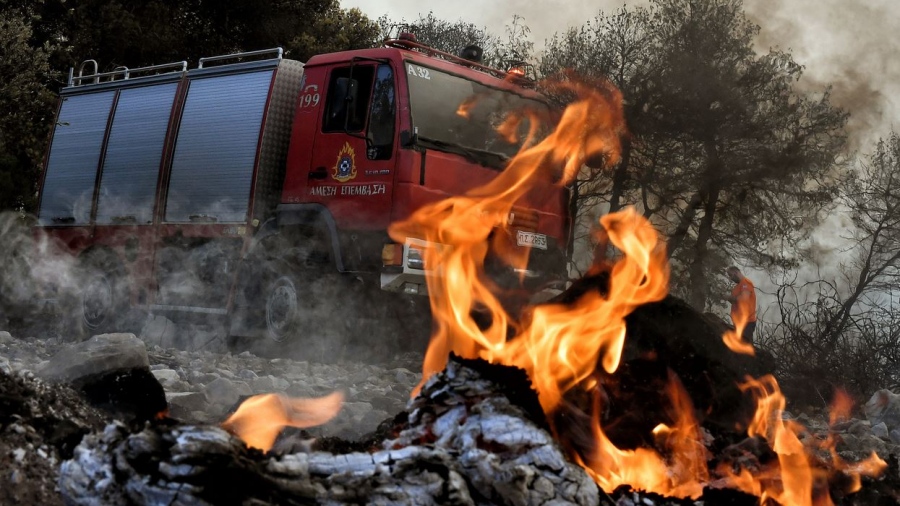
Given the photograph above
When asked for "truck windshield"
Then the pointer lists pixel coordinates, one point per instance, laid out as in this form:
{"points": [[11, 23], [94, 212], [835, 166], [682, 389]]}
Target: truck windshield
{"points": [[454, 114]]}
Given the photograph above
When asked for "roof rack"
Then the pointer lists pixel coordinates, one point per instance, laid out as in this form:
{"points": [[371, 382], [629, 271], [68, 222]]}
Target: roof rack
{"points": [[279, 52], [121, 72], [88, 70], [404, 43]]}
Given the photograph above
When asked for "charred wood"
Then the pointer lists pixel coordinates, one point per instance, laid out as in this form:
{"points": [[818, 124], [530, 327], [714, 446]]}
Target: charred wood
{"points": [[464, 442]]}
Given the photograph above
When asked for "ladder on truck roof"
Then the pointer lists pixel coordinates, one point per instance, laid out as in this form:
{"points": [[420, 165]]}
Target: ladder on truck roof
{"points": [[124, 73]]}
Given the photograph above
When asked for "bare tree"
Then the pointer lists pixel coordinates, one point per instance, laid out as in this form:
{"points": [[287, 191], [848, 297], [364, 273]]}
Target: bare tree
{"points": [[844, 328]]}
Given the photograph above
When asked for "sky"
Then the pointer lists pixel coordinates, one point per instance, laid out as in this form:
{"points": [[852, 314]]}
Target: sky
{"points": [[852, 45]]}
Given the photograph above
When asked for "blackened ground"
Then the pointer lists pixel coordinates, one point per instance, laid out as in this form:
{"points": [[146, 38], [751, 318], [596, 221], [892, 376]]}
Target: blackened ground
{"points": [[40, 425]]}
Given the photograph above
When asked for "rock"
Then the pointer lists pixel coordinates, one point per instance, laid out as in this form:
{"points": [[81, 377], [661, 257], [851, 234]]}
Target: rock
{"points": [[159, 331], [860, 428], [895, 436], [855, 448], [6, 337], [356, 410], [881, 431], [222, 392], [202, 377], [166, 376], [247, 374], [182, 405], [98, 355], [280, 384], [263, 385], [129, 394], [884, 406]]}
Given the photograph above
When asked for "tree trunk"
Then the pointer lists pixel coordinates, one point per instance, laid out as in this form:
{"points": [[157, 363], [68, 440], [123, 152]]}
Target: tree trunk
{"points": [[699, 289], [699, 284]]}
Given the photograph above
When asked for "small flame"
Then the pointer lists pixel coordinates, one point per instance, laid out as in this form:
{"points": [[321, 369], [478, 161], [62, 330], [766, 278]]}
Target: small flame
{"points": [[683, 473], [732, 338], [259, 419]]}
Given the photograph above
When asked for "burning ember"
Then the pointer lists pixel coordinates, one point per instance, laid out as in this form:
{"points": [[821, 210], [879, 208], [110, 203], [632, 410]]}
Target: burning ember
{"points": [[572, 346]]}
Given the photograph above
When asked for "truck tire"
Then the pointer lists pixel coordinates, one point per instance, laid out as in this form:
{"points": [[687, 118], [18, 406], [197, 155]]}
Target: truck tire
{"points": [[100, 302], [283, 310], [300, 316]]}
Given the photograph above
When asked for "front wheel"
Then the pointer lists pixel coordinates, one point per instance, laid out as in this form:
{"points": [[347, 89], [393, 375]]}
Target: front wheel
{"points": [[101, 299], [283, 309]]}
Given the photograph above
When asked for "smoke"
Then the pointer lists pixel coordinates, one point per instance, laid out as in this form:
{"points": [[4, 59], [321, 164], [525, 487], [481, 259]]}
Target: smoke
{"points": [[34, 272], [848, 45], [851, 46]]}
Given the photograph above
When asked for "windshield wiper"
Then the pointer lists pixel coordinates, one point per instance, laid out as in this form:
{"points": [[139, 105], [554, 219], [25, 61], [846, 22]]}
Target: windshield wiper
{"points": [[481, 156]]}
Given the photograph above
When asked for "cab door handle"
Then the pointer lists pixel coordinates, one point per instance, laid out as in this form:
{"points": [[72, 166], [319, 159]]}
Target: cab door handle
{"points": [[318, 173]]}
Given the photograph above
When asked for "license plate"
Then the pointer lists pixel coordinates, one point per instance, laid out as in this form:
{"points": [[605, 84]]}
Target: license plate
{"points": [[531, 239]]}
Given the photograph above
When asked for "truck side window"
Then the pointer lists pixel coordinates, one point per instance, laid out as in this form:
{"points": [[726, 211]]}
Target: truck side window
{"points": [[348, 99], [381, 117]]}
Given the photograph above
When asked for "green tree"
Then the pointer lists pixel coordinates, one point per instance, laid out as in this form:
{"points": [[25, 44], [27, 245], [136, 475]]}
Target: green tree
{"points": [[27, 107]]}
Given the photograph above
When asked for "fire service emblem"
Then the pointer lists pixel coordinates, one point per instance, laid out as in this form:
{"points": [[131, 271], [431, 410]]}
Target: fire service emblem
{"points": [[345, 167]]}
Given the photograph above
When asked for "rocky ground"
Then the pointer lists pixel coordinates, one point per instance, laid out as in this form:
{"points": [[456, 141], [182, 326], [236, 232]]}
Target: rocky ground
{"points": [[201, 386], [42, 418]]}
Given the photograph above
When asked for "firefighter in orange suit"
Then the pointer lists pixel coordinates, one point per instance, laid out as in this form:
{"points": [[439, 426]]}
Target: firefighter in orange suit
{"points": [[743, 302]]}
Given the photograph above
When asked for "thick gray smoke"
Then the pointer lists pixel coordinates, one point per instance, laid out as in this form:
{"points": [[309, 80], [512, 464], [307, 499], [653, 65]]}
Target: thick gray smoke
{"points": [[852, 46]]}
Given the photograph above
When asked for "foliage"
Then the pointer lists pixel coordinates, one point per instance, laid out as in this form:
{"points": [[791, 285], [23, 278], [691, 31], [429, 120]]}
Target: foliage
{"points": [[725, 156], [452, 37], [27, 107]]}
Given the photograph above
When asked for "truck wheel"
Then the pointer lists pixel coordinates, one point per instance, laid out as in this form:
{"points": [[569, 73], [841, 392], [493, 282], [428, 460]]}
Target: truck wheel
{"points": [[300, 314], [282, 308], [100, 303]]}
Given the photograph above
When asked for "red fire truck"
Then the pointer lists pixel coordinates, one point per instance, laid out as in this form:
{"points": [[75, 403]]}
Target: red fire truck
{"points": [[259, 190]]}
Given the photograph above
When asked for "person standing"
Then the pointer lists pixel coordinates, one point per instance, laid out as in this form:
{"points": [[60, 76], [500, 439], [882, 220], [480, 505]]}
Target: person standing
{"points": [[743, 303]]}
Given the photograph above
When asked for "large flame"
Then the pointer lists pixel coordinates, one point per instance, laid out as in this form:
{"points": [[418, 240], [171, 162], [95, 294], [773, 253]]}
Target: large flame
{"points": [[561, 345]]}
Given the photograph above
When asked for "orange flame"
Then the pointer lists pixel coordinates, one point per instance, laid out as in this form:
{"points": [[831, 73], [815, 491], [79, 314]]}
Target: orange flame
{"points": [[733, 338], [259, 419], [795, 478], [561, 345], [682, 474]]}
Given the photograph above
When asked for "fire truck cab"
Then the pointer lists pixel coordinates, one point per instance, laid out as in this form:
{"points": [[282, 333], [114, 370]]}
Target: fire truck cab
{"points": [[260, 189]]}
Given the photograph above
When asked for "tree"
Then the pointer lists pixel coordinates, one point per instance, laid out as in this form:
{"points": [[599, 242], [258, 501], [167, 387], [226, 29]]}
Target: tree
{"points": [[725, 156], [443, 35], [27, 107], [842, 327], [614, 47]]}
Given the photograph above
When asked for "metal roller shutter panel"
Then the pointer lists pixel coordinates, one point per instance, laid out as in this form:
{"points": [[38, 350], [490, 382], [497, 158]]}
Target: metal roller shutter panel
{"points": [[68, 190], [133, 153], [215, 152]]}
